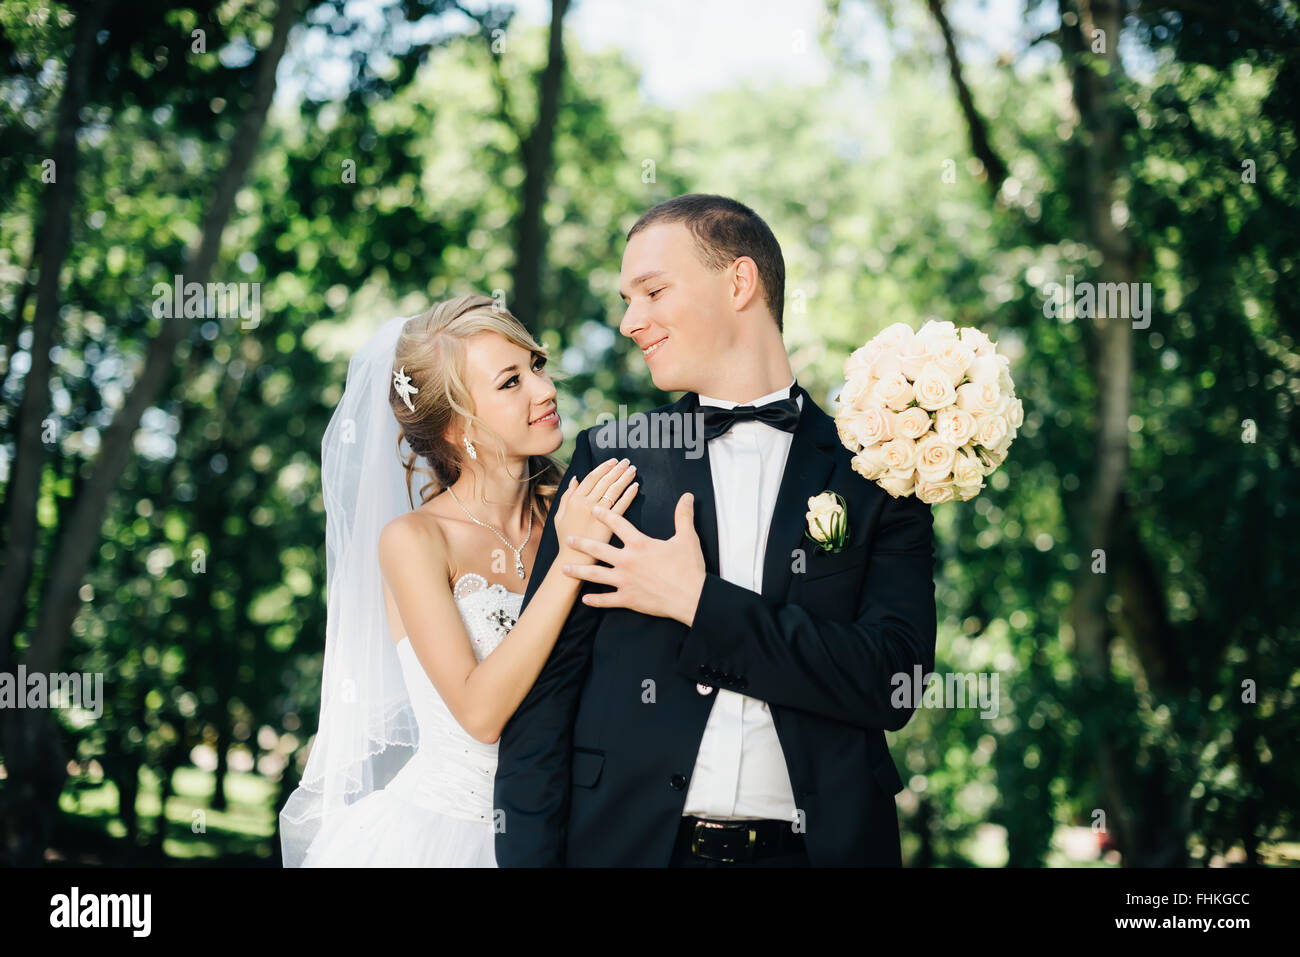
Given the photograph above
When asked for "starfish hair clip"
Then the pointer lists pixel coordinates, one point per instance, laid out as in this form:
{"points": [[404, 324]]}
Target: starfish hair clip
{"points": [[402, 383]]}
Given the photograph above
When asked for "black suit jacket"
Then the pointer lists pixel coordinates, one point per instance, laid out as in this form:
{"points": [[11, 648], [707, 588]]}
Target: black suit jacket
{"points": [[594, 766]]}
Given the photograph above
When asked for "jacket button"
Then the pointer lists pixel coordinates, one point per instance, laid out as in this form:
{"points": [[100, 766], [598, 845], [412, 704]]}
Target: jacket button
{"points": [[704, 689], [677, 782]]}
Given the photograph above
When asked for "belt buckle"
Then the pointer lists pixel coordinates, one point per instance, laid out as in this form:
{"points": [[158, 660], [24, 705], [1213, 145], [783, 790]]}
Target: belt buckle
{"points": [[750, 836]]}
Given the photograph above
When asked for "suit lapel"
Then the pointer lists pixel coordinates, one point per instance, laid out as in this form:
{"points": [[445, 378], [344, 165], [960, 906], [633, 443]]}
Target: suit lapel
{"points": [[807, 471], [695, 476]]}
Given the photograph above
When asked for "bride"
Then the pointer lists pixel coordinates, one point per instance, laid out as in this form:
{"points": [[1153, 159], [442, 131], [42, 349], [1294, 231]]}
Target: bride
{"points": [[426, 653]]}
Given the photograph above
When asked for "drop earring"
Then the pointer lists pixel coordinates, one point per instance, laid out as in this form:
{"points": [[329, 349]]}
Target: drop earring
{"points": [[469, 447]]}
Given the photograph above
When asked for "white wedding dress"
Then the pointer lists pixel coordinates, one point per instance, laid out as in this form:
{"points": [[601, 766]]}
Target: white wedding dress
{"points": [[437, 810]]}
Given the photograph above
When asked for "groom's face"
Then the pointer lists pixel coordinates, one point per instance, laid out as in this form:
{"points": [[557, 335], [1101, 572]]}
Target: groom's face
{"points": [[678, 310]]}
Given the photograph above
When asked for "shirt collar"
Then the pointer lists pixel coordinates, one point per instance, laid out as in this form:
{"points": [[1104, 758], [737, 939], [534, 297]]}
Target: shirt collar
{"points": [[761, 400]]}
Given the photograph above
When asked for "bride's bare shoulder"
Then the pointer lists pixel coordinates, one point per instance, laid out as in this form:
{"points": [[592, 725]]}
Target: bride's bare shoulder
{"points": [[413, 535]]}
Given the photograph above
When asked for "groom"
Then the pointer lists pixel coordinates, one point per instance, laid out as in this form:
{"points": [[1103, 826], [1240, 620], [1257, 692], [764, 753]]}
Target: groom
{"points": [[719, 697]]}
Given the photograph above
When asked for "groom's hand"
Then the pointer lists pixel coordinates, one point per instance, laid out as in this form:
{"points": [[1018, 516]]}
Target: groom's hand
{"points": [[654, 576]]}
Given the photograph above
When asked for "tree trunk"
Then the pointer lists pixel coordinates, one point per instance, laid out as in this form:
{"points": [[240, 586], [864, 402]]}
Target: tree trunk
{"points": [[538, 159], [34, 755], [925, 825], [15, 327], [128, 793], [29, 452], [60, 602], [975, 126], [166, 770], [223, 765], [1149, 822]]}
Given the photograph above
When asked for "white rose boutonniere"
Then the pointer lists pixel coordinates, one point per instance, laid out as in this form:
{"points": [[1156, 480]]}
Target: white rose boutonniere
{"points": [[828, 521]]}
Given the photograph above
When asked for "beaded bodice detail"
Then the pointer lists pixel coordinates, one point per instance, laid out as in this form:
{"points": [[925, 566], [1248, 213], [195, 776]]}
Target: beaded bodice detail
{"points": [[490, 611]]}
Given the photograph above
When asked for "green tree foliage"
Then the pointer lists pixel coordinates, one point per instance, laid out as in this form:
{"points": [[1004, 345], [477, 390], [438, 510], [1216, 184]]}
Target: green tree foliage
{"points": [[205, 608]]}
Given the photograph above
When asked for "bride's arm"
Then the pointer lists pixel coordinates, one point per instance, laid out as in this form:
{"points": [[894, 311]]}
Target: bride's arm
{"points": [[483, 696]]}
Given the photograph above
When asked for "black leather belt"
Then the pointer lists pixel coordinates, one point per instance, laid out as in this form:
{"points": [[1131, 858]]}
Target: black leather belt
{"points": [[730, 841]]}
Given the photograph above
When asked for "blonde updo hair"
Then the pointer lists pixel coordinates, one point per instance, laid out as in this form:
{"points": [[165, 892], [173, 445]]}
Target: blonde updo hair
{"points": [[431, 348]]}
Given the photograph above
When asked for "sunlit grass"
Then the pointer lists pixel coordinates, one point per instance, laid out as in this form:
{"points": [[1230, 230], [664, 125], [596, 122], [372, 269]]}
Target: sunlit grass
{"points": [[194, 829], [247, 827]]}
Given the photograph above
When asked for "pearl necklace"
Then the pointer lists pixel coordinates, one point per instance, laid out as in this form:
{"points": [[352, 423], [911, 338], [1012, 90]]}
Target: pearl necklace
{"points": [[519, 562]]}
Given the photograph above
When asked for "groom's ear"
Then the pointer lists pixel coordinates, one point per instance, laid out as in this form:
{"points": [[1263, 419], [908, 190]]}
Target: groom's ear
{"points": [[746, 286]]}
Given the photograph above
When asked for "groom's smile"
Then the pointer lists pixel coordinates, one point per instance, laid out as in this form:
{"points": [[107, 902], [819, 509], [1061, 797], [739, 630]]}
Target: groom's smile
{"points": [[648, 350]]}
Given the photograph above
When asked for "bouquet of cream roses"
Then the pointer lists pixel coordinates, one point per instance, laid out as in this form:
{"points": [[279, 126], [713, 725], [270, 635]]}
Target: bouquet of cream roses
{"points": [[930, 413]]}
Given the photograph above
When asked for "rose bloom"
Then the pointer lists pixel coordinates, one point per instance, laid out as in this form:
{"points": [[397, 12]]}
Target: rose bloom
{"points": [[934, 389], [894, 392], [1015, 414], [898, 484], [823, 509], [872, 426], [899, 454], [954, 425], [984, 367], [1004, 370], [997, 457], [848, 438], [979, 397], [970, 336], [954, 359], [967, 492], [937, 332], [934, 459], [967, 471], [895, 337], [914, 357], [886, 366], [934, 493], [990, 430], [911, 423], [862, 358], [856, 393], [870, 463]]}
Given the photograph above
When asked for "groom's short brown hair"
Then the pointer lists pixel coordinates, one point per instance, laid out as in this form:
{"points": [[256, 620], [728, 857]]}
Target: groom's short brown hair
{"points": [[725, 230]]}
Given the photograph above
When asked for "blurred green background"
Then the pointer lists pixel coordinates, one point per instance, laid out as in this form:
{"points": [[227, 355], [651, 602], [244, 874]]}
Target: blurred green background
{"points": [[1127, 574]]}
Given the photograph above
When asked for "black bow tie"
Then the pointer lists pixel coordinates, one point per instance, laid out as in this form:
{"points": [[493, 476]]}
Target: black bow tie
{"points": [[782, 414]]}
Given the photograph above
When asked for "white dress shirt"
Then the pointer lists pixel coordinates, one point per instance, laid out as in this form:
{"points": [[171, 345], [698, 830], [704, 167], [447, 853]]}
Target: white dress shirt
{"points": [[740, 770]]}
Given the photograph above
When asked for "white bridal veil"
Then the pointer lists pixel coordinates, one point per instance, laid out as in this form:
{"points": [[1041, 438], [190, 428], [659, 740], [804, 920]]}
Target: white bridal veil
{"points": [[367, 729]]}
